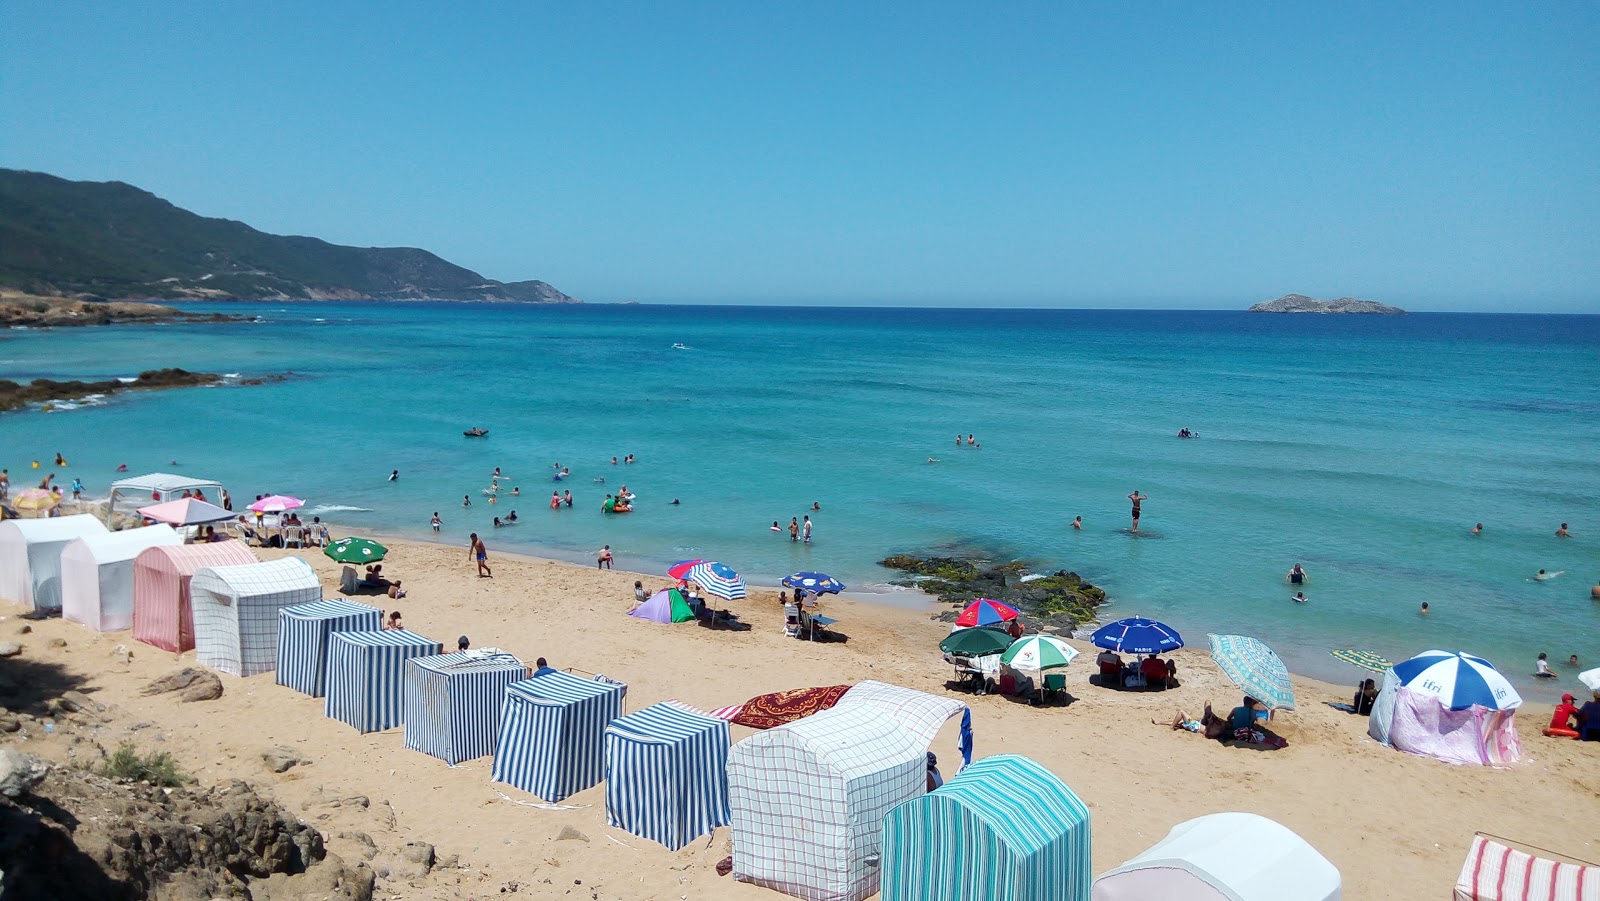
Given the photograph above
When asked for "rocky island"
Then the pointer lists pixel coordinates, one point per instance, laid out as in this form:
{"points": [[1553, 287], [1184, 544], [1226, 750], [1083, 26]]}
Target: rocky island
{"points": [[1299, 303], [1060, 602], [45, 391], [34, 311]]}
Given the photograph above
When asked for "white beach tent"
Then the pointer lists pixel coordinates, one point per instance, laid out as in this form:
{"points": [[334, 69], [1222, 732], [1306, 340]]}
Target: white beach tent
{"points": [[236, 611], [97, 575], [1224, 857], [162, 614], [808, 800], [30, 556], [1450, 706], [154, 487]]}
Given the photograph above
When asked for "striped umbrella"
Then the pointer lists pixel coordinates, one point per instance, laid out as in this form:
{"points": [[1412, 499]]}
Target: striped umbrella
{"points": [[1037, 653], [1255, 668], [816, 583], [1367, 660], [984, 612], [681, 568], [718, 579], [1137, 635], [1458, 680], [277, 503]]}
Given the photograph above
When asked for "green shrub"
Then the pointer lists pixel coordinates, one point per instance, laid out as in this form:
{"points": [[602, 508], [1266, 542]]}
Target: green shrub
{"points": [[157, 769]]}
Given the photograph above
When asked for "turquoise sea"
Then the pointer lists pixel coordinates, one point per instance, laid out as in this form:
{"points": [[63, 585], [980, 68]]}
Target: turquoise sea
{"points": [[1362, 447]]}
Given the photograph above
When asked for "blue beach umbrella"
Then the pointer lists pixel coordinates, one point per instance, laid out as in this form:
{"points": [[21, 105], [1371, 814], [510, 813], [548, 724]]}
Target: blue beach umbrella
{"points": [[816, 583], [1458, 680], [718, 579], [1137, 635], [1255, 668]]}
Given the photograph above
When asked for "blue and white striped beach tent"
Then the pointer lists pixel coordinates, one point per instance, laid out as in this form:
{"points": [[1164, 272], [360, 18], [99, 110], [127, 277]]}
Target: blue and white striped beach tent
{"points": [[1004, 829], [667, 774], [808, 800], [453, 702], [552, 734], [236, 611], [367, 676], [303, 639]]}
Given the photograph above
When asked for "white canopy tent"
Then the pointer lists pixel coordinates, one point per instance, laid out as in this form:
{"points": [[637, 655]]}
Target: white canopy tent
{"points": [[1224, 857], [30, 556], [97, 575], [140, 491]]}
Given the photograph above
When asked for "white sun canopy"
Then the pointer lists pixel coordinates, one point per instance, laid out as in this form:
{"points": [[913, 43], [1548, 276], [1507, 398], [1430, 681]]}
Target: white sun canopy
{"points": [[140, 491]]}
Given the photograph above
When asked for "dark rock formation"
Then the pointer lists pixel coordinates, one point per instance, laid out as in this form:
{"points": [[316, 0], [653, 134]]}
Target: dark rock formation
{"points": [[1299, 303], [46, 391], [1061, 602], [195, 685]]}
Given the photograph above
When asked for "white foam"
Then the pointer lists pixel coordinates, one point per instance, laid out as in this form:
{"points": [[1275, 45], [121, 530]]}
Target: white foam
{"points": [[322, 509], [127, 380]]}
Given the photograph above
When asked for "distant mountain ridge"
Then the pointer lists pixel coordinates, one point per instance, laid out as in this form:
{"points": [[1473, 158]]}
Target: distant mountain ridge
{"points": [[113, 240], [1299, 303]]}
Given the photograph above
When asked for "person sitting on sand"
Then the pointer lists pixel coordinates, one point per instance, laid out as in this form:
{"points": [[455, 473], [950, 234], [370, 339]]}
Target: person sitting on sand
{"points": [[375, 579], [1566, 714], [1110, 663], [395, 591], [1243, 728], [935, 780], [1589, 719], [1154, 670], [639, 594], [1542, 668], [1172, 673], [1366, 694], [463, 644], [393, 622]]}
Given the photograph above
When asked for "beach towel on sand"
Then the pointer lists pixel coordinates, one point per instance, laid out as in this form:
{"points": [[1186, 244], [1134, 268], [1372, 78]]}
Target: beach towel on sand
{"points": [[767, 711]]}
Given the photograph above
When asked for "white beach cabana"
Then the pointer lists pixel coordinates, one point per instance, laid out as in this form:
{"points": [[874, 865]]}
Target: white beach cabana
{"points": [[97, 575], [808, 800], [236, 611], [154, 487], [30, 556], [162, 614], [1224, 857]]}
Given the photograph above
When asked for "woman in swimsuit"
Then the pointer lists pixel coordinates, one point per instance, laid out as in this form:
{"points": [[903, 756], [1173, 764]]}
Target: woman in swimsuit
{"points": [[1297, 576]]}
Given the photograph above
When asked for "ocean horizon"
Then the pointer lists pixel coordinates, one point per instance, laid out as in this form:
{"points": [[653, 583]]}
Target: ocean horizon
{"points": [[1363, 447]]}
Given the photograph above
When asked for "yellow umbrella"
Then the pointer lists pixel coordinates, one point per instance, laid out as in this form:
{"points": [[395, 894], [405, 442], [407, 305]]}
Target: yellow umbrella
{"points": [[35, 500]]}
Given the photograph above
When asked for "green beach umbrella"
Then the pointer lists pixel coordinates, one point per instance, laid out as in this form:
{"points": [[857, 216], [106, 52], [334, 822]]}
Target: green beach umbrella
{"points": [[355, 550], [1037, 653], [1364, 659], [977, 642]]}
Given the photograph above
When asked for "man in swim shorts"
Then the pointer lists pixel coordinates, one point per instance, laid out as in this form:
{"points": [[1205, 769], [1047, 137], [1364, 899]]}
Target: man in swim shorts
{"points": [[481, 554], [1137, 499], [604, 561]]}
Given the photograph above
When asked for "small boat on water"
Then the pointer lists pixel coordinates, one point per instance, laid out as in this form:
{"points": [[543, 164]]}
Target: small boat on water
{"points": [[680, 347], [476, 432]]}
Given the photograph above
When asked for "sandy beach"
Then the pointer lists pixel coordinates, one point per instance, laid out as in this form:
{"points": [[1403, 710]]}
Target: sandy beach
{"points": [[1396, 826]]}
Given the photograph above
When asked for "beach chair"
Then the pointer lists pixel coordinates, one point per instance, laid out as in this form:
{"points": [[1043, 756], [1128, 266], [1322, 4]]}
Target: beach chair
{"points": [[294, 535], [1054, 684], [348, 580], [791, 621]]}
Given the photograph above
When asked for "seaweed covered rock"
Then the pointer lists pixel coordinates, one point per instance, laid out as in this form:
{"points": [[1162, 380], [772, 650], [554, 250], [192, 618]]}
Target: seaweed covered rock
{"points": [[1060, 602]]}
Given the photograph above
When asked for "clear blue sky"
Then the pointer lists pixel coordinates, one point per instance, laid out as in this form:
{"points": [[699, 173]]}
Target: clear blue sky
{"points": [[1436, 156]]}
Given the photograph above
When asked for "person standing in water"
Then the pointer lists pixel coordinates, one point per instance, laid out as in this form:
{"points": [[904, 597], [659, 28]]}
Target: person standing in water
{"points": [[807, 530], [1562, 532], [437, 522], [394, 475], [1477, 529], [1137, 499], [481, 554], [1077, 523], [1297, 576], [794, 528]]}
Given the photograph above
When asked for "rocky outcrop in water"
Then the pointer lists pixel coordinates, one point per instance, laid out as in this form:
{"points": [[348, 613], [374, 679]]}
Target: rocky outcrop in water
{"points": [[44, 391], [1060, 602], [1299, 303]]}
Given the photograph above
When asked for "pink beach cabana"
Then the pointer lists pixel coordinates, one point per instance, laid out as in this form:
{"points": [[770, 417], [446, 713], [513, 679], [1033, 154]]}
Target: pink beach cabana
{"points": [[97, 575], [162, 614]]}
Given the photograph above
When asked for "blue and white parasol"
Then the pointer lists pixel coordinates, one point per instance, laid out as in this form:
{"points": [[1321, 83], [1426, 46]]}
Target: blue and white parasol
{"points": [[718, 579], [816, 583], [1458, 680]]}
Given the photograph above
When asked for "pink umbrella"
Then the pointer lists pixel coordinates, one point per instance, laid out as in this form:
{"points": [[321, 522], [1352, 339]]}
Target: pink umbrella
{"points": [[185, 512], [277, 503]]}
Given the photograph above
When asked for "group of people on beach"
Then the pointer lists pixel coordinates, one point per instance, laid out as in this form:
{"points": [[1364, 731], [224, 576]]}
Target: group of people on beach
{"points": [[798, 530]]}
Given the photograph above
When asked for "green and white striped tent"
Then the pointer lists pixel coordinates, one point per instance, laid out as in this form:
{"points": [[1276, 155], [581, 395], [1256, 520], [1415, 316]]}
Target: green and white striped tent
{"points": [[1004, 829]]}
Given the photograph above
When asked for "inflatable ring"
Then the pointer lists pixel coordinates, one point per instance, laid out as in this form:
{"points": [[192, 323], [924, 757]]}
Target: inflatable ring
{"points": [[1553, 732]]}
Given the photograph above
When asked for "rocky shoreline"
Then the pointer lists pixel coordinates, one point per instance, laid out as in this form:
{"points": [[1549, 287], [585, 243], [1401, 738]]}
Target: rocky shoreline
{"points": [[14, 395], [19, 310], [1061, 602]]}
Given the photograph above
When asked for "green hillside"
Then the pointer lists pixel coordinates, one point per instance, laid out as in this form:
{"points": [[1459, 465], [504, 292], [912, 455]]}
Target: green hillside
{"points": [[116, 241]]}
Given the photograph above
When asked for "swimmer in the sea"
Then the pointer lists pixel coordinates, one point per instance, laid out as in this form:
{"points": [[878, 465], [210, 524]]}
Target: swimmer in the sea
{"points": [[1300, 597], [394, 475], [1562, 532], [775, 527], [1541, 575], [1297, 576], [674, 502], [1077, 523], [933, 459], [1477, 529], [1424, 608], [466, 500], [816, 506]]}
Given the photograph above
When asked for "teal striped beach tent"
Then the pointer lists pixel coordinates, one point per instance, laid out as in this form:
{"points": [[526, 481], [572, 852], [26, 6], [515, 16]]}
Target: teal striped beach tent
{"points": [[1004, 829], [303, 639], [808, 800], [667, 774], [453, 702], [552, 731], [367, 676]]}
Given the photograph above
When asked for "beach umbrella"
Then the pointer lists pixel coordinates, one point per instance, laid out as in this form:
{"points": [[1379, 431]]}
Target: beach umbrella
{"points": [[979, 642], [1590, 679], [1255, 668], [355, 550], [681, 568], [1365, 659], [718, 579], [1037, 653], [816, 583], [185, 512], [277, 503], [984, 612], [1458, 680], [35, 500], [1137, 635]]}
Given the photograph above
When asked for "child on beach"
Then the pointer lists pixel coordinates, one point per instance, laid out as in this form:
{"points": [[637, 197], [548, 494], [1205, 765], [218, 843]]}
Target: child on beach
{"points": [[437, 522], [604, 561], [481, 554]]}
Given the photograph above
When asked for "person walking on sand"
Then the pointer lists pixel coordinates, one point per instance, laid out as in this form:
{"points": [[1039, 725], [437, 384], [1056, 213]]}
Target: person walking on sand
{"points": [[1137, 499], [794, 528], [604, 561], [481, 554], [807, 530]]}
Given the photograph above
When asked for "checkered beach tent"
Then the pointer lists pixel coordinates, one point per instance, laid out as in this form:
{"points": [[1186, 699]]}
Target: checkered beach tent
{"points": [[1004, 829], [303, 639], [919, 713], [808, 801], [667, 774], [453, 703], [552, 733], [366, 678], [97, 575], [30, 557], [236, 611], [162, 615]]}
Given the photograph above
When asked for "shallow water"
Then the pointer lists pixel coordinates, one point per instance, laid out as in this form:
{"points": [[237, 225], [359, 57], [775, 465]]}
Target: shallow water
{"points": [[1363, 447]]}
